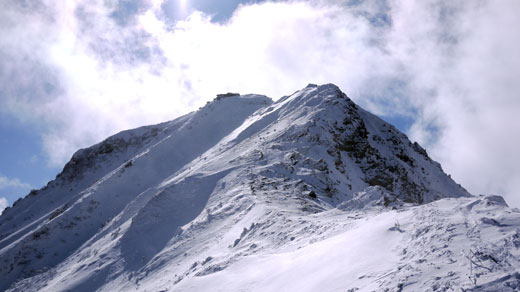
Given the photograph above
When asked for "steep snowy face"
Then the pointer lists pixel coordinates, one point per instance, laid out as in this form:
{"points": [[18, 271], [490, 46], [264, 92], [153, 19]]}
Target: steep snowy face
{"points": [[49, 224], [169, 206], [320, 136]]}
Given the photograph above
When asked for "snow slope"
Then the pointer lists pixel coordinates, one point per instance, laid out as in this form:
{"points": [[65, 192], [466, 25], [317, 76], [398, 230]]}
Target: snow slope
{"points": [[307, 193]]}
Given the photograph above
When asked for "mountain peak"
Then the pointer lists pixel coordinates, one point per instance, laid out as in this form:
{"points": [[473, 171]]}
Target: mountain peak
{"points": [[247, 182]]}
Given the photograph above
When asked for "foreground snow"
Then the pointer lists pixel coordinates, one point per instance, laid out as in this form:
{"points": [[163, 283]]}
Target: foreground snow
{"points": [[447, 245], [442, 246], [310, 193]]}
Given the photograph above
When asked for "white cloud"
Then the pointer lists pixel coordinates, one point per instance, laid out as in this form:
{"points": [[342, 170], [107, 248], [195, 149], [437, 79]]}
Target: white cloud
{"points": [[86, 70], [6, 182], [3, 204], [80, 65], [464, 75]]}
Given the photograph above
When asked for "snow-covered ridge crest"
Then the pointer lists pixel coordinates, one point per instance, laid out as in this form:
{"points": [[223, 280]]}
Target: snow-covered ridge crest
{"points": [[246, 182]]}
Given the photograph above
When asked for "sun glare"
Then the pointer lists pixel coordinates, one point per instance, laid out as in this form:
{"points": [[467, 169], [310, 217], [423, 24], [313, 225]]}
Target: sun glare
{"points": [[183, 7]]}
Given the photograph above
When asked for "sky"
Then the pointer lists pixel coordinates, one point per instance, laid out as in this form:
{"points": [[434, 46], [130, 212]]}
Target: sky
{"points": [[74, 72]]}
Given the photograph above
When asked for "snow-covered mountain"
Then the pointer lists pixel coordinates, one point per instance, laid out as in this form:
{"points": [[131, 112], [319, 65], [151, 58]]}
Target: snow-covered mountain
{"points": [[308, 193]]}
